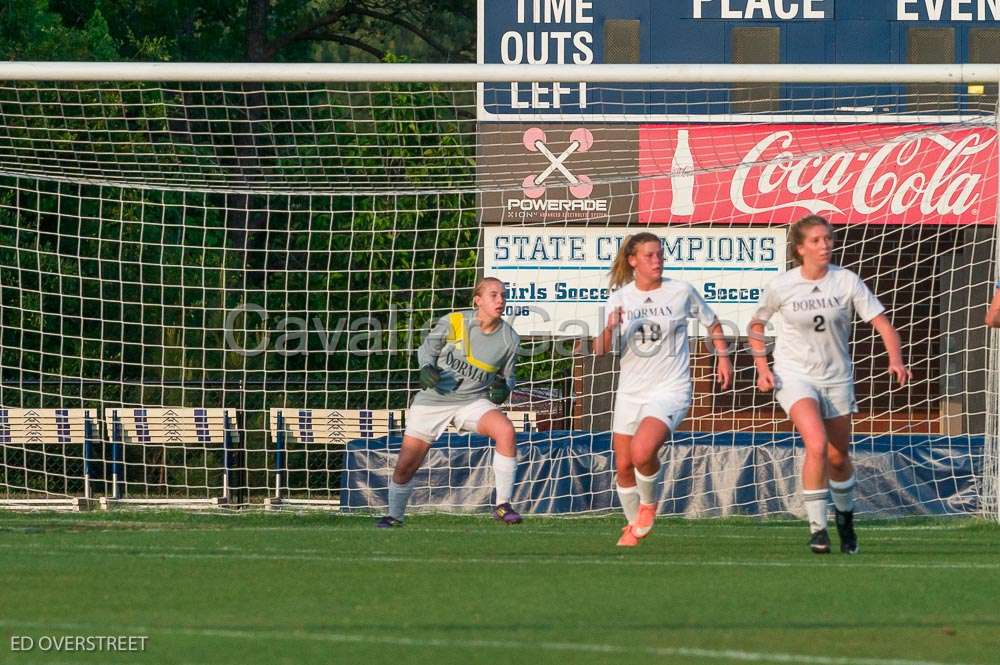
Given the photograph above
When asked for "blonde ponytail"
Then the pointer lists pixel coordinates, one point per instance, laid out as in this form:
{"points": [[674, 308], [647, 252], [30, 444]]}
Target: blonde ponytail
{"points": [[621, 272]]}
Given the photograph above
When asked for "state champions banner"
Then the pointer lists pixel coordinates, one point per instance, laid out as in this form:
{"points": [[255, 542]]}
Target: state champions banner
{"points": [[556, 279], [850, 174]]}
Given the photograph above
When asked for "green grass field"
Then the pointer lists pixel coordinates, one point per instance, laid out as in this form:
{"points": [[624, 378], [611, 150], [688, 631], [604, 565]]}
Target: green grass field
{"points": [[284, 588]]}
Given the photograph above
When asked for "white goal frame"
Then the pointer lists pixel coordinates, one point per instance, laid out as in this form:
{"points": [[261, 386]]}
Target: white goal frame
{"points": [[596, 73]]}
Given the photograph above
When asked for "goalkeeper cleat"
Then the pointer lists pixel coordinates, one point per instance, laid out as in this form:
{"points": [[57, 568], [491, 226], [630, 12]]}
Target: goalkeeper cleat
{"points": [[628, 539], [644, 520], [506, 514], [819, 543], [845, 529], [389, 522]]}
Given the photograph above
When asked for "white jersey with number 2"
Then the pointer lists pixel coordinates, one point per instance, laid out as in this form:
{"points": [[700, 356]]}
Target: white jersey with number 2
{"points": [[653, 337], [816, 320]]}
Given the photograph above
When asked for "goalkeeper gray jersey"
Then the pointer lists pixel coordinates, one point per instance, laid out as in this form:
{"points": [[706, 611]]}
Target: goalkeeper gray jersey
{"points": [[469, 360]]}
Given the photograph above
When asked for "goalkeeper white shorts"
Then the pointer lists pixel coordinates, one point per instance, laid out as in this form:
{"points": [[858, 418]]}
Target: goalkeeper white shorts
{"points": [[834, 400], [630, 411], [428, 421]]}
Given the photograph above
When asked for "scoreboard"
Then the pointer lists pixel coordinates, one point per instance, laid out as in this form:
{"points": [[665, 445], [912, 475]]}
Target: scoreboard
{"points": [[583, 32]]}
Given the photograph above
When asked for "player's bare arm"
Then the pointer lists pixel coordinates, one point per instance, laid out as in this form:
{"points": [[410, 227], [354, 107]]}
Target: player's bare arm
{"points": [[890, 338], [993, 311], [723, 367], [758, 348]]}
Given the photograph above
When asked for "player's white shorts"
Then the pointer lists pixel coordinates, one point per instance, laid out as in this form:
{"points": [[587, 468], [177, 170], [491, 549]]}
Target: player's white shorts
{"points": [[630, 411], [834, 400], [427, 422]]}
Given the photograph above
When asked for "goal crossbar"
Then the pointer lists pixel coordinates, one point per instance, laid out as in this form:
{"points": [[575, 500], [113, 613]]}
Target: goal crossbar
{"points": [[443, 73]]}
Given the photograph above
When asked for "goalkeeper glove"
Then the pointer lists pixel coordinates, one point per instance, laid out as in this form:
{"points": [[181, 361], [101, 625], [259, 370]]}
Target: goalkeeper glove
{"points": [[498, 391], [430, 377]]}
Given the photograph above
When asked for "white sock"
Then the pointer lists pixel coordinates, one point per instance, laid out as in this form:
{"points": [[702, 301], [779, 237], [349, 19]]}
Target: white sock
{"points": [[842, 492], [646, 486], [629, 497], [399, 495], [503, 475], [815, 501]]}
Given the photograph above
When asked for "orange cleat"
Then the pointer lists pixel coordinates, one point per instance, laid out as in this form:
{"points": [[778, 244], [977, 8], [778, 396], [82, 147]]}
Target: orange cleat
{"points": [[644, 520], [628, 538]]}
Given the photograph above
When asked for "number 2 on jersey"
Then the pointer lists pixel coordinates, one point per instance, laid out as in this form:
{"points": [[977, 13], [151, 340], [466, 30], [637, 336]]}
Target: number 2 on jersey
{"points": [[820, 323]]}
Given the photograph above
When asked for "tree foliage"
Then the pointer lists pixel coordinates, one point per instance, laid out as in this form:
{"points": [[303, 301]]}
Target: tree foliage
{"points": [[30, 30], [281, 30]]}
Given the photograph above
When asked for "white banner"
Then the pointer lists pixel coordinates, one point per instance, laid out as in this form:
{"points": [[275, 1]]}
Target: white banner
{"points": [[557, 278]]}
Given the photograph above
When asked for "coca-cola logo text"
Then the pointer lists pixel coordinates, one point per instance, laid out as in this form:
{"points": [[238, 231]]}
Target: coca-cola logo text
{"points": [[851, 174]]}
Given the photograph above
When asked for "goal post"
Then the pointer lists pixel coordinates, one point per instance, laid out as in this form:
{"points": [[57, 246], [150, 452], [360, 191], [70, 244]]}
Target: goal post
{"points": [[277, 239]]}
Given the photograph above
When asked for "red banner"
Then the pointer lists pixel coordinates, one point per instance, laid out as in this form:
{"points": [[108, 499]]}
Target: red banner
{"points": [[850, 174]]}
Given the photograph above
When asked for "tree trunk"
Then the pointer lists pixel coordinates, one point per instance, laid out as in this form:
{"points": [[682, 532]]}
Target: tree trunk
{"points": [[256, 30]]}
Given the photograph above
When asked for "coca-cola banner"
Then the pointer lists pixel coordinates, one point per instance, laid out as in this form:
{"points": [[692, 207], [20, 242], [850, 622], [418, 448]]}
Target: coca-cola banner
{"points": [[851, 174]]}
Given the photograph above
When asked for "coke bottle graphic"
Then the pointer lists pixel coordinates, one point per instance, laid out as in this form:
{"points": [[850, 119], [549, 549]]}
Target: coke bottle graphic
{"points": [[682, 177]]}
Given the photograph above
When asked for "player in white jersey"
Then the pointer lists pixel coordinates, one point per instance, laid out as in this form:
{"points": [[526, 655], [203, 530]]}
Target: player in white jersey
{"points": [[466, 371], [813, 373], [648, 322]]}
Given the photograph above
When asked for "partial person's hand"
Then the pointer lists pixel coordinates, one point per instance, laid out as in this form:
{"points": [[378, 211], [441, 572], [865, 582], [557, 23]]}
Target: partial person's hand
{"points": [[724, 372], [765, 380], [615, 317], [430, 376], [499, 391], [901, 372]]}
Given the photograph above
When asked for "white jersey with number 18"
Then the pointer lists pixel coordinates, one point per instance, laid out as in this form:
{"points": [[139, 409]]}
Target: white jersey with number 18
{"points": [[653, 337], [816, 320]]}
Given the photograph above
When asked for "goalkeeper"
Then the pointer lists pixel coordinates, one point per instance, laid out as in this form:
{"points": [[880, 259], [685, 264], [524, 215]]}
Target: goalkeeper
{"points": [[466, 372]]}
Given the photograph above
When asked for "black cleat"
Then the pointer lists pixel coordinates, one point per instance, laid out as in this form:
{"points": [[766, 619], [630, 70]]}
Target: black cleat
{"points": [[845, 529], [819, 543], [389, 522]]}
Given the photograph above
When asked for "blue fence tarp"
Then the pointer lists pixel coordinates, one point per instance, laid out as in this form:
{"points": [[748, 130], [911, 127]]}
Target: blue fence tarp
{"points": [[704, 474]]}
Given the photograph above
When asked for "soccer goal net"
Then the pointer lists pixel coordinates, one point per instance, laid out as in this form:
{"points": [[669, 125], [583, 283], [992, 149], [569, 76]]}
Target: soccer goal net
{"points": [[213, 290]]}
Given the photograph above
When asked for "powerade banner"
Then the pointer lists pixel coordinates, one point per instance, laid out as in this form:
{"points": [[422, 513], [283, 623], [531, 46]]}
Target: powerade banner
{"points": [[850, 174], [557, 278], [582, 173]]}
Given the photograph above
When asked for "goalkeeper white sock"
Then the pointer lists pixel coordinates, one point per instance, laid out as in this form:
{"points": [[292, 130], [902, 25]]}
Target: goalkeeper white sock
{"points": [[815, 501], [629, 497], [646, 486], [504, 469], [842, 492], [399, 496]]}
